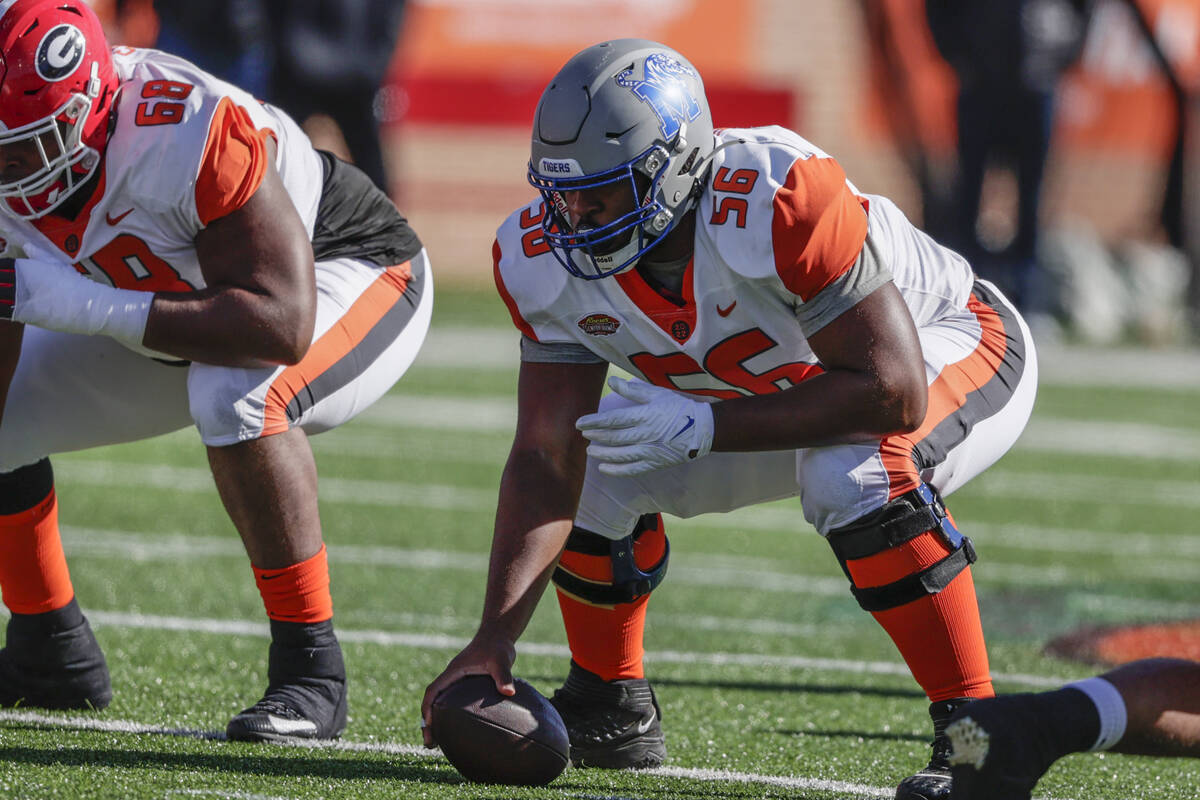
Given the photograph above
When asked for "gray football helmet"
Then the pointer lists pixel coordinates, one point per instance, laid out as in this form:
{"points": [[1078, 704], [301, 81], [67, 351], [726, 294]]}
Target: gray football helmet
{"points": [[622, 110]]}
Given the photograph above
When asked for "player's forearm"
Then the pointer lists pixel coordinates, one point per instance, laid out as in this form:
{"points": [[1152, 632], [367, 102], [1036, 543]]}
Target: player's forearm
{"points": [[836, 407], [533, 519], [230, 326]]}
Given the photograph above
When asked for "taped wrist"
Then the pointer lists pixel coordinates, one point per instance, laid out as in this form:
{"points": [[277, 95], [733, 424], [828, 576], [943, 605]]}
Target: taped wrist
{"points": [[621, 579], [80, 306], [895, 524]]}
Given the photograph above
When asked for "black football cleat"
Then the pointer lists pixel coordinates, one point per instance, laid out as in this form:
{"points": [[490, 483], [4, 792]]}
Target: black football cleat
{"points": [[610, 724], [933, 782], [52, 660], [997, 752], [306, 690]]}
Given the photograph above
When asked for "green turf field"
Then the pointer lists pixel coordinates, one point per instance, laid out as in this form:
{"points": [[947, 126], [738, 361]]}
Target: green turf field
{"points": [[773, 682]]}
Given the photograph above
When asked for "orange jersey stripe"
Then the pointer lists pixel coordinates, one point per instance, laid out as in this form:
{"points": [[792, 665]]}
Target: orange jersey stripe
{"points": [[235, 160], [947, 394], [677, 320], [818, 227], [511, 304], [370, 307], [66, 234]]}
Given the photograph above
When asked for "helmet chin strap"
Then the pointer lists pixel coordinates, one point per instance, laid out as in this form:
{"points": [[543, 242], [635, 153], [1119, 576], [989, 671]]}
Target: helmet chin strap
{"points": [[591, 263]]}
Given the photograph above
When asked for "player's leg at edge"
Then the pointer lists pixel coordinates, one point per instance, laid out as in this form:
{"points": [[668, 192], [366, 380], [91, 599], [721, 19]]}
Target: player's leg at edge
{"points": [[269, 488], [268, 484], [612, 716], [910, 568], [1000, 748], [51, 658]]}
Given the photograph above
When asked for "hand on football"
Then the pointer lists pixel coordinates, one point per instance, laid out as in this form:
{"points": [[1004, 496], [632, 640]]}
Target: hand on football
{"points": [[661, 429], [483, 655]]}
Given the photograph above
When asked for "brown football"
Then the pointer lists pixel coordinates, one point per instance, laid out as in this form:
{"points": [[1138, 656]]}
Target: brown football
{"points": [[490, 738]]}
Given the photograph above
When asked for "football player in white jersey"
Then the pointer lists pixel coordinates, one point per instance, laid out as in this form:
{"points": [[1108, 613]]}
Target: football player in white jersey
{"points": [[788, 334], [178, 254]]}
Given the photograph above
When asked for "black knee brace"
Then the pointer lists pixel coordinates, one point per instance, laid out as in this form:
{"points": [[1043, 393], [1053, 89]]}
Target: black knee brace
{"points": [[25, 487], [629, 581], [899, 521]]}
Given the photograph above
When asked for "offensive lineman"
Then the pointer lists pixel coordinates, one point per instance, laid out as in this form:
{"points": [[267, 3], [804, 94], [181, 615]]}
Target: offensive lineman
{"points": [[184, 256], [790, 335]]}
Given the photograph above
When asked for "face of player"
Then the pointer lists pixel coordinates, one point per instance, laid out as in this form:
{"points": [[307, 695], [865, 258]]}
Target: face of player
{"points": [[20, 159], [598, 206]]}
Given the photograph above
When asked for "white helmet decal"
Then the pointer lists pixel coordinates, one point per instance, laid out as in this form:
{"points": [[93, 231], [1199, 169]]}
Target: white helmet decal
{"points": [[60, 52], [560, 166]]}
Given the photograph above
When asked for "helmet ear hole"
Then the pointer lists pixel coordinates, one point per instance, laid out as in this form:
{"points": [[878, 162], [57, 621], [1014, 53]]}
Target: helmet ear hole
{"points": [[686, 164]]}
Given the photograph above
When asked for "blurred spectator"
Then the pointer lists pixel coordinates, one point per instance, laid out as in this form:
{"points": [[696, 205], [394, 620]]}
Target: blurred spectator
{"points": [[228, 38], [331, 58], [1008, 56], [306, 56]]}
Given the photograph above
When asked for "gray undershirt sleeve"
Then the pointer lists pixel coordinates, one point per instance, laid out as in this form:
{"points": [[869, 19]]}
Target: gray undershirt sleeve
{"points": [[867, 275], [557, 352]]}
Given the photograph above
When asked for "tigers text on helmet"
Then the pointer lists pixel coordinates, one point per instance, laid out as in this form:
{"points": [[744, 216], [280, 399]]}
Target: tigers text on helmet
{"points": [[57, 85], [627, 110]]}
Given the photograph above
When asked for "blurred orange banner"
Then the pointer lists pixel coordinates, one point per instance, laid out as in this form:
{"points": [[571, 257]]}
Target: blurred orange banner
{"points": [[535, 37], [485, 62], [1117, 97]]}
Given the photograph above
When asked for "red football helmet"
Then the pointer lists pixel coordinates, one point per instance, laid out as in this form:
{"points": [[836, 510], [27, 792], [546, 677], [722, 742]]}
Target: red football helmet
{"points": [[57, 85]]}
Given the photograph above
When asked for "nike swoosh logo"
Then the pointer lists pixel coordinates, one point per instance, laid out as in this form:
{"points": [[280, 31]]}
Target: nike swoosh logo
{"points": [[645, 724], [724, 312], [281, 725], [618, 134], [691, 421], [114, 220]]}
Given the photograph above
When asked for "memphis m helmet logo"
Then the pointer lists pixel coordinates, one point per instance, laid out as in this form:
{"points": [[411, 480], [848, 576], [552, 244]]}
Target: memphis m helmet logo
{"points": [[60, 52], [665, 91]]}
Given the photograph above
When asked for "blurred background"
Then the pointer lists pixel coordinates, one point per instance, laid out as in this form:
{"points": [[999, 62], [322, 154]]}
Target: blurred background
{"points": [[1056, 143]]}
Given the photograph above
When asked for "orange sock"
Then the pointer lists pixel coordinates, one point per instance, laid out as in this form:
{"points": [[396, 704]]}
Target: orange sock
{"points": [[607, 639], [940, 635], [33, 569], [299, 593]]}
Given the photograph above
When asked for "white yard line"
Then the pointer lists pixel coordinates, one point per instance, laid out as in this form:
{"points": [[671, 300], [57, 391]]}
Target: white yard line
{"points": [[712, 570], [997, 482], [717, 776], [1046, 434], [425, 641]]}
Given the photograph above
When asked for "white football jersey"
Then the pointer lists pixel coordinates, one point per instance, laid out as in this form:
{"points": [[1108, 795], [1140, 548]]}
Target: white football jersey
{"points": [[187, 148], [784, 244]]}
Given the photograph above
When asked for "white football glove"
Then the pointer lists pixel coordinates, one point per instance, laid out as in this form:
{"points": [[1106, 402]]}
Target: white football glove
{"points": [[31, 285], [662, 429], [50, 294]]}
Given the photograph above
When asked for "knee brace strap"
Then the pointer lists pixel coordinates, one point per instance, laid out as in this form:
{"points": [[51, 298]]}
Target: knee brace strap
{"points": [[900, 520], [930, 580], [629, 581]]}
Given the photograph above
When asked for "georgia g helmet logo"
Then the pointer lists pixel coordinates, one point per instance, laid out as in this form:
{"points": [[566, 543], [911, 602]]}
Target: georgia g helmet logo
{"points": [[60, 52], [665, 91]]}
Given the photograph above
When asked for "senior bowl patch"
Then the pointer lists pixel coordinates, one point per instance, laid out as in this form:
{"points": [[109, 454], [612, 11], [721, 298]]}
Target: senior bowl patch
{"points": [[599, 325]]}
